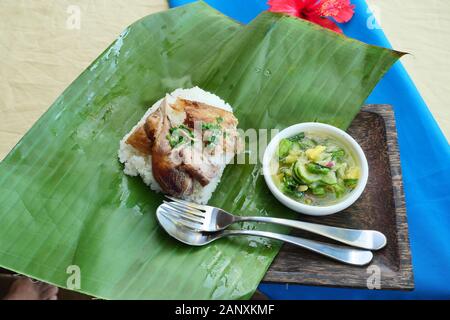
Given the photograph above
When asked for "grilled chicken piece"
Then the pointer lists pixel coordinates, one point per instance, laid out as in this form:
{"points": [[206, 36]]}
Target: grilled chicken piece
{"points": [[177, 167]]}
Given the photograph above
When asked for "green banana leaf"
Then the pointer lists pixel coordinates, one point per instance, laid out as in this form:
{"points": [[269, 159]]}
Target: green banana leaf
{"points": [[64, 200]]}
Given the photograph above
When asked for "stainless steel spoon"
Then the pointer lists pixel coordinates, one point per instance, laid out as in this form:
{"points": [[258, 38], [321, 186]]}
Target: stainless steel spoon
{"points": [[210, 219], [188, 236]]}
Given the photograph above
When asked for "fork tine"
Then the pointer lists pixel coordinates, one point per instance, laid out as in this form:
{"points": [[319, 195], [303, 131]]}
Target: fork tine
{"points": [[187, 203], [182, 214], [177, 221], [181, 207], [179, 224]]}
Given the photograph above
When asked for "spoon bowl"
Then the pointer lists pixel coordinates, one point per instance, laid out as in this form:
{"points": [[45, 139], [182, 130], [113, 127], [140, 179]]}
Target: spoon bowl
{"points": [[192, 237], [181, 233]]}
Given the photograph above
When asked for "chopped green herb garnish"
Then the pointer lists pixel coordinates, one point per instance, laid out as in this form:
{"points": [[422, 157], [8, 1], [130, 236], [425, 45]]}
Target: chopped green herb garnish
{"points": [[210, 126], [212, 140], [216, 131], [180, 135]]}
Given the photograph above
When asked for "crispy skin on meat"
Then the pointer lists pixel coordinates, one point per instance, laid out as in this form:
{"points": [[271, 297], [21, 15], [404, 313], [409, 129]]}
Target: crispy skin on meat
{"points": [[142, 138], [174, 168], [153, 124], [196, 111], [195, 173], [200, 168], [140, 141], [166, 168]]}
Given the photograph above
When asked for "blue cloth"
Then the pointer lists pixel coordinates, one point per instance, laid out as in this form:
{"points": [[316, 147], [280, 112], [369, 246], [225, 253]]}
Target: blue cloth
{"points": [[425, 159]]}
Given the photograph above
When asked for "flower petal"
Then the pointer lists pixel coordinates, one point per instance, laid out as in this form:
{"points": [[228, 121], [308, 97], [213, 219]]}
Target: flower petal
{"points": [[326, 23], [316, 11], [291, 7], [339, 10]]}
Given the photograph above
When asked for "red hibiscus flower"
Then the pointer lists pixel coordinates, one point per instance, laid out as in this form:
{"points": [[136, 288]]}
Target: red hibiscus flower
{"points": [[316, 11]]}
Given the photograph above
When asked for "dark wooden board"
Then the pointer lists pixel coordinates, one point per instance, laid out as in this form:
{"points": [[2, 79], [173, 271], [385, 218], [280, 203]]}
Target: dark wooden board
{"points": [[381, 207]]}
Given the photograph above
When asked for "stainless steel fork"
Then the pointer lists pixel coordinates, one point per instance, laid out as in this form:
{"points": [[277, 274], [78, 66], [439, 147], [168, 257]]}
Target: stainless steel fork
{"points": [[211, 219], [170, 222]]}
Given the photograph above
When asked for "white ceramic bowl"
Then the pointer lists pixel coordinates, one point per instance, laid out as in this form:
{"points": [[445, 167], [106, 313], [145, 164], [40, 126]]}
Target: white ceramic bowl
{"points": [[339, 135]]}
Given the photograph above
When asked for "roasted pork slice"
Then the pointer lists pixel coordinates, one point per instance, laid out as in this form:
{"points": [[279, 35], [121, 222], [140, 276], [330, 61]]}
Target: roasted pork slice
{"points": [[185, 140]]}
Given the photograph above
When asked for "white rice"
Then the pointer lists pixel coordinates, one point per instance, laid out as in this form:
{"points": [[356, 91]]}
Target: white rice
{"points": [[137, 164]]}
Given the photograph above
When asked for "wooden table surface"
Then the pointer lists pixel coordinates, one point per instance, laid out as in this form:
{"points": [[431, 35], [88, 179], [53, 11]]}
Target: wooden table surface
{"points": [[42, 51]]}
